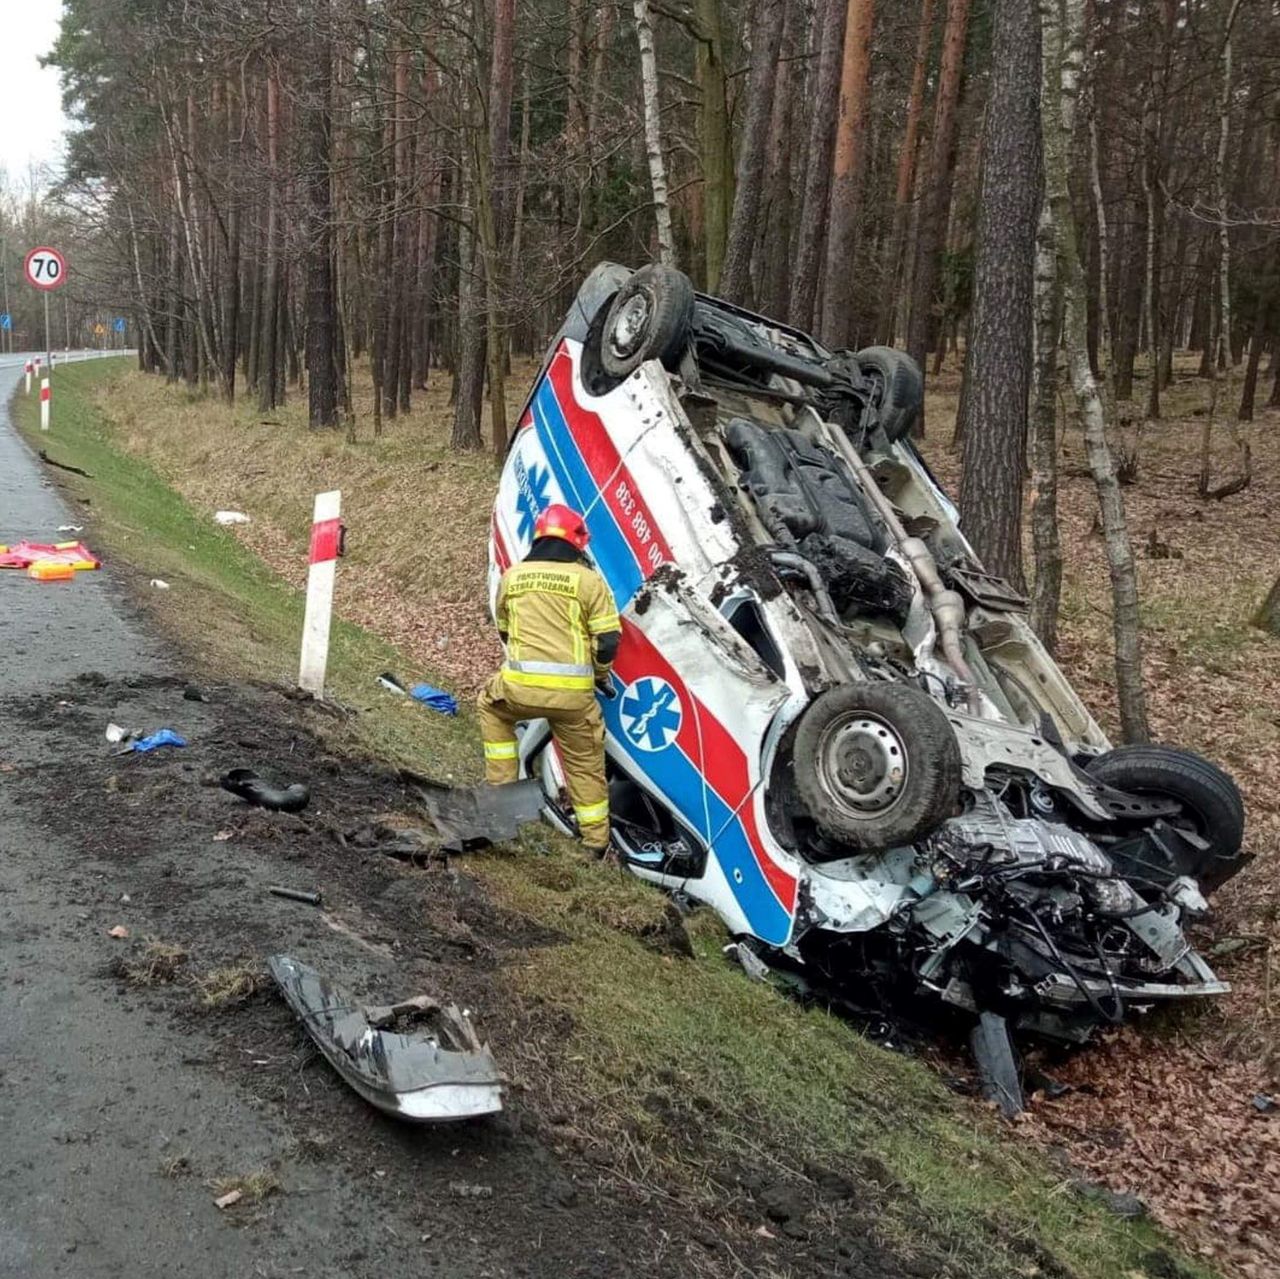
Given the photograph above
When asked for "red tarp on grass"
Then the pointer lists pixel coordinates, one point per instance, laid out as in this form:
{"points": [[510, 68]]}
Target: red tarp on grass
{"points": [[23, 554]]}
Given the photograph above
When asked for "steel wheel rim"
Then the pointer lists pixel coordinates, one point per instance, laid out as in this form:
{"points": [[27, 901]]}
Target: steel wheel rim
{"points": [[862, 764], [629, 327]]}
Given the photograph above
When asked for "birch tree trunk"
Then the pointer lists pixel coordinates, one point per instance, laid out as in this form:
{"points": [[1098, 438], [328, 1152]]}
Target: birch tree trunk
{"points": [[1062, 36], [653, 134], [1106, 352], [846, 166], [1046, 544], [1220, 190]]}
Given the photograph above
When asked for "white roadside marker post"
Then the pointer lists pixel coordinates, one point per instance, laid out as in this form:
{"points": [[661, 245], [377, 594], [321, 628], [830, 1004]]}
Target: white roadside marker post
{"points": [[46, 394], [326, 546], [27, 371]]}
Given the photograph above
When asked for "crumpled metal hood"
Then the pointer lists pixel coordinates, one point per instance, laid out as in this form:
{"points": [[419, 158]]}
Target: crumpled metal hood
{"points": [[436, 1070]]}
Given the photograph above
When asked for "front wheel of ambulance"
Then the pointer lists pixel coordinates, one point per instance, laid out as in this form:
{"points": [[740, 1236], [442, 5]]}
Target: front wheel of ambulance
{"points": [[1212, 809], [876, 765], [649, 319]]}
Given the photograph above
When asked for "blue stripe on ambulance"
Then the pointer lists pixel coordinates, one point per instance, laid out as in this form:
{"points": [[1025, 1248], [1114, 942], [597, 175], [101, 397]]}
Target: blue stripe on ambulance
{"points": [[670, 770], [609, 548], [686, 788]]}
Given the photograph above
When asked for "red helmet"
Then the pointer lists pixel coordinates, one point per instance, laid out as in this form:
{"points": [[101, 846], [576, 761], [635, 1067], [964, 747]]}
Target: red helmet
{"points": [[559, 520]]}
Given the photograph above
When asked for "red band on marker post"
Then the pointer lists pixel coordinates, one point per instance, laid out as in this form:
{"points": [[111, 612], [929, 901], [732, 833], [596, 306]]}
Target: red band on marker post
{"points": [[326, 546], [326, 541], [45, 392]]}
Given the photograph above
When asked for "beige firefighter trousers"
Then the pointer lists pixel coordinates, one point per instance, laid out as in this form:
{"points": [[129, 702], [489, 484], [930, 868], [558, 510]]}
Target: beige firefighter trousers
{"points": [[578, 729]]}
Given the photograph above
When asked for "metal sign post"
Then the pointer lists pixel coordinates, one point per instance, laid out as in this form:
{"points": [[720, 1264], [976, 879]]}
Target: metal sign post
{"points": [[46, 270], [4, 270]]}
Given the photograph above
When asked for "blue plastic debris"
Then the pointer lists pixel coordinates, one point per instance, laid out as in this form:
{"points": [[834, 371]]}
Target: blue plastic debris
{"points": [[436, 698], [161, 737]]}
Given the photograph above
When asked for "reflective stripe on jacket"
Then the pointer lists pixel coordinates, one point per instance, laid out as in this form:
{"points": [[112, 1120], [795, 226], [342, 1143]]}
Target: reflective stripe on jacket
{"points": [[551, 614]]}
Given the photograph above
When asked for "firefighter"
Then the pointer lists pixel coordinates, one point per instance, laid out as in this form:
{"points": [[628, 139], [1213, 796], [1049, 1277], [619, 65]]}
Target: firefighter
{"points": [[559, 624]]}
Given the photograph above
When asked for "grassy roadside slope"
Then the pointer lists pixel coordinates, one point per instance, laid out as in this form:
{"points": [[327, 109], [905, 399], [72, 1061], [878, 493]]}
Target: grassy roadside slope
{"points": [[678, 1076]]}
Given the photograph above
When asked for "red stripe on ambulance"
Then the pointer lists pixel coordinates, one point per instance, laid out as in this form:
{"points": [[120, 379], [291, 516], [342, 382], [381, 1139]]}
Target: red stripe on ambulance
{"points": [[710, 748], [618, 490]]}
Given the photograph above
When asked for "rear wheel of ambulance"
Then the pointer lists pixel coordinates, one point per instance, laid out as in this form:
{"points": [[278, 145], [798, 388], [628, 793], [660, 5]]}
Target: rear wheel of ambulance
{"points": [[649, 318], [900, 387], [876, 765]]}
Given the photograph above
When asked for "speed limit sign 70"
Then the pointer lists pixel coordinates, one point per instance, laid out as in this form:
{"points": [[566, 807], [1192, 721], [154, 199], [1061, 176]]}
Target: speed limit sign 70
{"points": [[46, 268]]}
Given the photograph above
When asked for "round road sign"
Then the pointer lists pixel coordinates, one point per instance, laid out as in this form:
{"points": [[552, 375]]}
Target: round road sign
{"points": [[45, 268]]}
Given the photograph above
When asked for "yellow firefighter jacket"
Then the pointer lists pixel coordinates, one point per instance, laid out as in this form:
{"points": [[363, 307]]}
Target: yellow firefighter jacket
{"points": [[551, 614]]}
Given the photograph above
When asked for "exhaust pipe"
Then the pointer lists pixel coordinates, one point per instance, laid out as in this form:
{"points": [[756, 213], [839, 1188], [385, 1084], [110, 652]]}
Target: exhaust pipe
{"points": [[946, 606]]}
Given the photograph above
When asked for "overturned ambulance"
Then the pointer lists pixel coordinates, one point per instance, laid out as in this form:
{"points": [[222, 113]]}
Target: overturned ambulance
{"points": [[831, 724]]}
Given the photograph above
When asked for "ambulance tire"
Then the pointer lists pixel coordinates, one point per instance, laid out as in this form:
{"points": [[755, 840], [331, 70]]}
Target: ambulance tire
{"points": [[901, 387], [876, 765], [650, 318]]}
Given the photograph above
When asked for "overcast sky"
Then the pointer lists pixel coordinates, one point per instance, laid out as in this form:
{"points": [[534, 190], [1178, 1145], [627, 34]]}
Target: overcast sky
{"points": [[31, 120]]}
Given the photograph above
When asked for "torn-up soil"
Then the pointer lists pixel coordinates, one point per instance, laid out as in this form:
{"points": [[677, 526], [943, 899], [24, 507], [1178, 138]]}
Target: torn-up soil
{"points": [[151, 844]]}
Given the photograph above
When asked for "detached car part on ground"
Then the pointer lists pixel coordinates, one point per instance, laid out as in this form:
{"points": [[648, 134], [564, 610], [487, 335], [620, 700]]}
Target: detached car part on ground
{"points": [[831, 724], [418, 1060]]}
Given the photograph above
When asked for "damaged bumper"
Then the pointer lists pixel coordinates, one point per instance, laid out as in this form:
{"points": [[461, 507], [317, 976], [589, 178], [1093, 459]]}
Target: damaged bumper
{"points": [[417, 1060]]}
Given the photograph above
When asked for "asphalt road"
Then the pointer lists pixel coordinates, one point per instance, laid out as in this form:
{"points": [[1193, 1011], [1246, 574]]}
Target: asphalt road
{"points": [[87, 1107], [49, 634]]}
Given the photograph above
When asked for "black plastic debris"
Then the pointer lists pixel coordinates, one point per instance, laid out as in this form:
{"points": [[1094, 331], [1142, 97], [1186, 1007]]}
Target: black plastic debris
{"points": [[1264, 1103], [418, 1059], [992, 1050], [472, 817], [295, 894], [256, 790]]}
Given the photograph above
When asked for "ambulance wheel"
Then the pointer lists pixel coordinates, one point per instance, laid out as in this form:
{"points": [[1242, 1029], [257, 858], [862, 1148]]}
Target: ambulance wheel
{"points": [[901, 387], [877, 765], [1212, 809], [648, 319]]}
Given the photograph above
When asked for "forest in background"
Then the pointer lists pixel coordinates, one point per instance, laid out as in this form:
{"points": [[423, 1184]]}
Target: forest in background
{"points": [[272, 182], [305, 199]]}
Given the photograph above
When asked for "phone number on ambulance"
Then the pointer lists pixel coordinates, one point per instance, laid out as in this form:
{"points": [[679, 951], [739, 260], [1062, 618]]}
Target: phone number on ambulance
{"points": [[632, 509]]}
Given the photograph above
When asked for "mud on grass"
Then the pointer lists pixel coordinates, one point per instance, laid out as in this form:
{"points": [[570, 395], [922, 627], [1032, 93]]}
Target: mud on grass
{"points": [[144, 826], [764, 1135]]}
